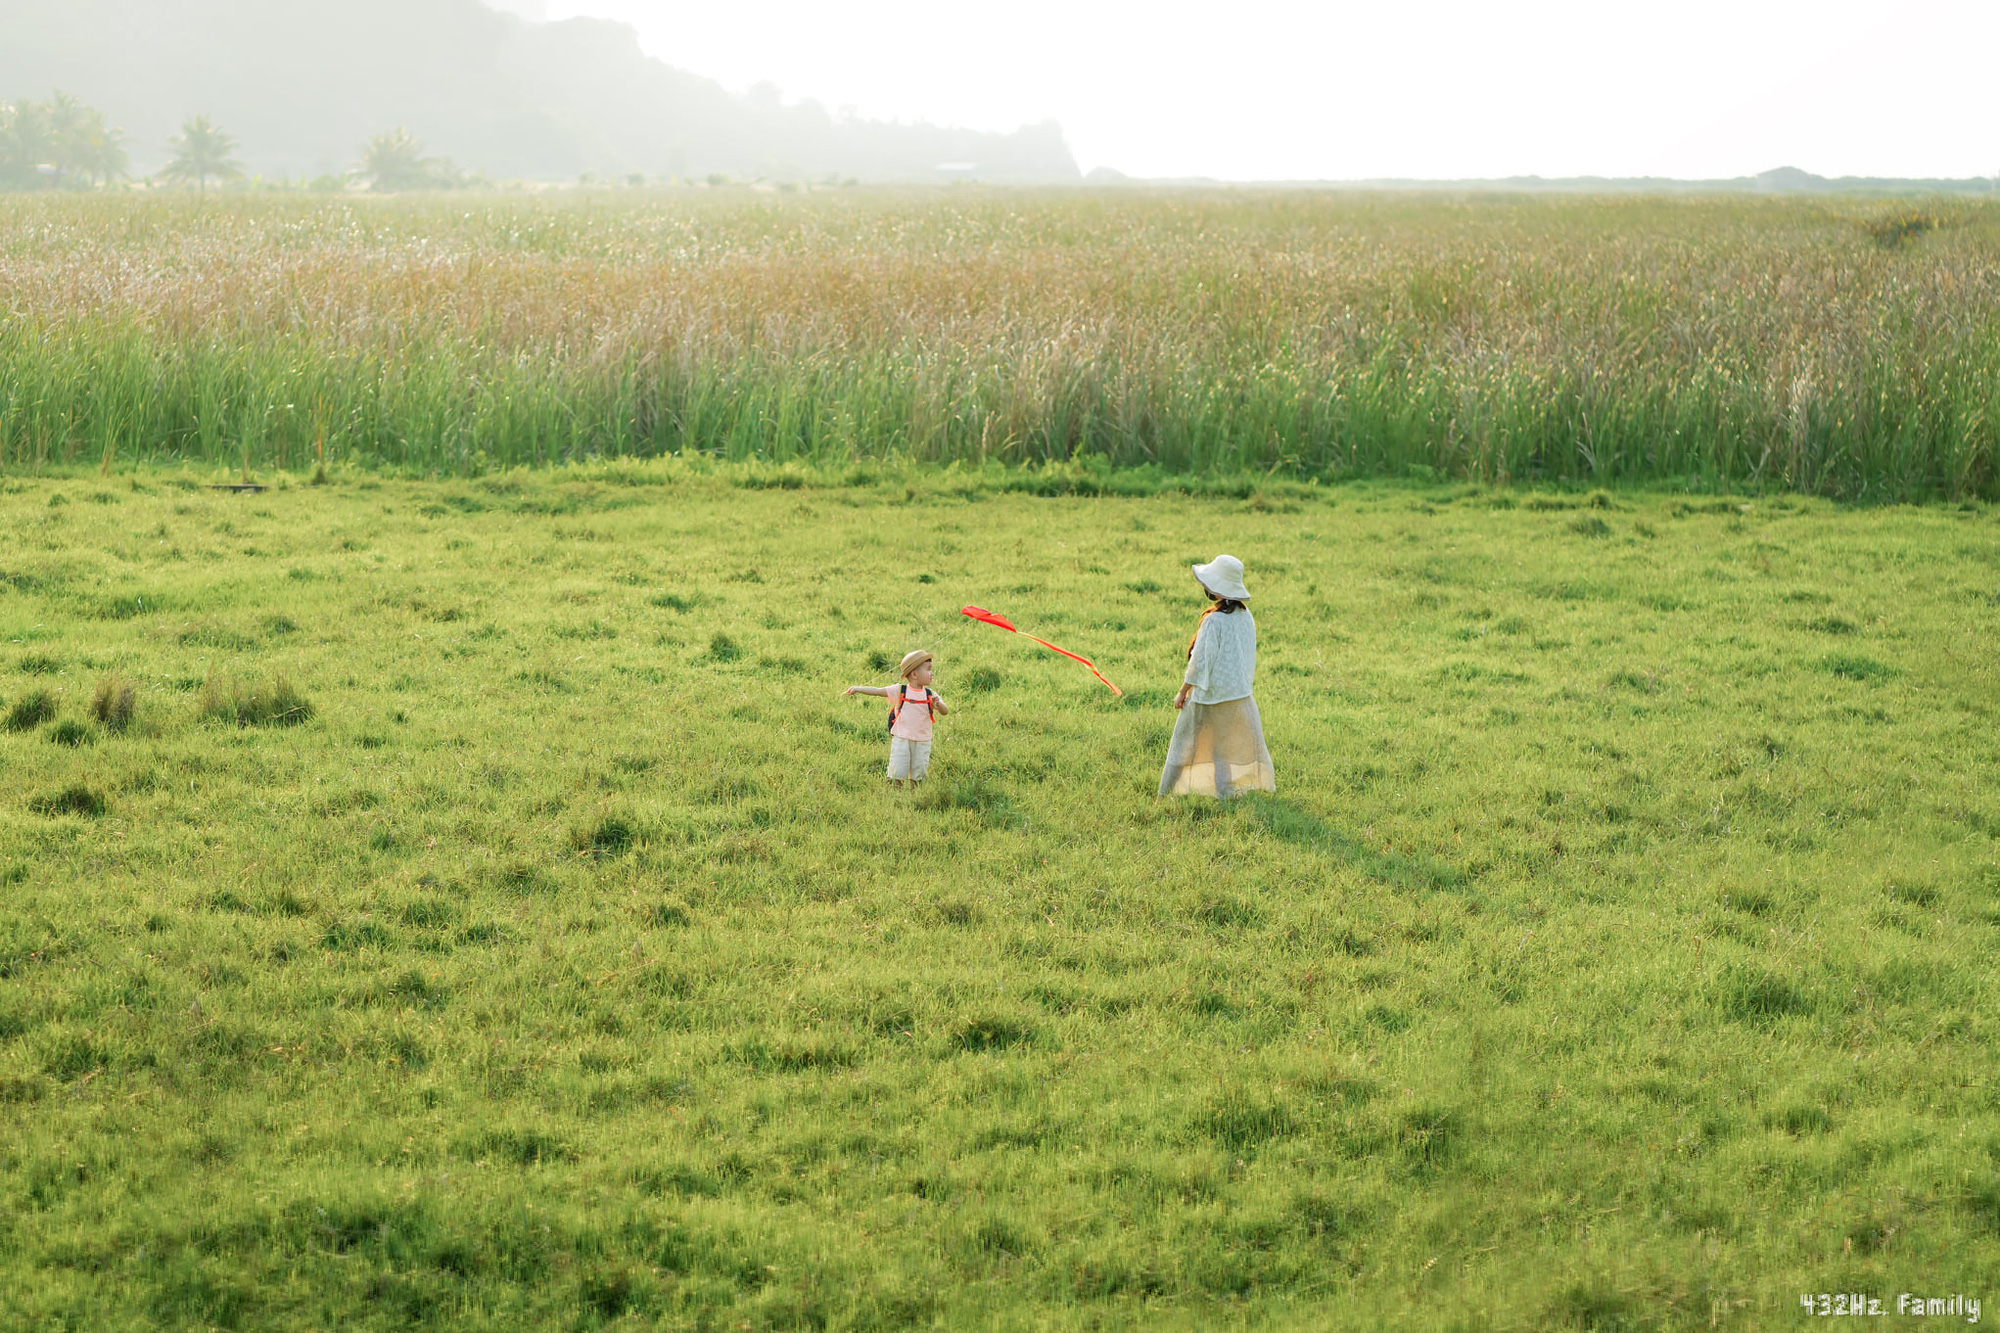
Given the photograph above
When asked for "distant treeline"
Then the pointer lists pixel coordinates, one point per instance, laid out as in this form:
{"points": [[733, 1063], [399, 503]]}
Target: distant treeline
{"points": [[305, 81], [63, 144], [57, 143], [1846, 350]]}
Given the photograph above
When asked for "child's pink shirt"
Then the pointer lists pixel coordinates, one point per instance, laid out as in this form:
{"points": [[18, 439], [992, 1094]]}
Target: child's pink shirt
{"points": [[913, 723]]}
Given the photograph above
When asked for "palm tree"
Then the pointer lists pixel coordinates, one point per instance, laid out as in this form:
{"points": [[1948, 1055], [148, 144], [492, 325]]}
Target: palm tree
{"points": [[81, 141], [26, 143], [396, 161], [68, 121], [99, 151], [49, 142], [201, 151]]}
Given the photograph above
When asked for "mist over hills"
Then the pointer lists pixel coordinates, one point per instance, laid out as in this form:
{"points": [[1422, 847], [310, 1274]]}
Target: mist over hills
{"points": [[1778, 180], [303, 83]]}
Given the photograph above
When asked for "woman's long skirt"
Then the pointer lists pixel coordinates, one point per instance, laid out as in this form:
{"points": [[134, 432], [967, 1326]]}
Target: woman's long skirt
{"points": [[1218, 750]]}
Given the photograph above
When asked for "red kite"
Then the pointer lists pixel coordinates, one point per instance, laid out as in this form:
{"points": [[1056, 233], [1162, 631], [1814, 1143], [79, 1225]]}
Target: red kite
{"points": [[1008, 625]]}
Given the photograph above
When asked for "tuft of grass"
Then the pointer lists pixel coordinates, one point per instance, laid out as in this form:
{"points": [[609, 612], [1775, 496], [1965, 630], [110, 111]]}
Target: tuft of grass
{"points": [[955, 912], [982, 680], [40, 664], [128, 606], [1593, 1305], [1854, 666], [612, 835], [1914, 892], [266, 703], [991, 1033], [977, 792], [791, 1057], [521, 876], [209, 634], [669, 916], [75, 799], [787, 665], [1430, 1137], [1748, 902], [1895, 229], [71, 733], [1751, 994], [722, 648], [1802, 1120], [1242, 1122], [352, 935], [1224, 911], [31, 710], [114, 702], [525, 1146], [429, 913]]}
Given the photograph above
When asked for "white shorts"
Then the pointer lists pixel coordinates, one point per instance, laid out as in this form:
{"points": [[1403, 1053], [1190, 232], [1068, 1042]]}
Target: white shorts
{"points": [[908, 759]]}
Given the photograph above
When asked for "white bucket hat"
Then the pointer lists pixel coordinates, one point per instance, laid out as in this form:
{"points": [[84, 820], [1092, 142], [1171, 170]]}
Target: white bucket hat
{"points": [[1223, 576]]}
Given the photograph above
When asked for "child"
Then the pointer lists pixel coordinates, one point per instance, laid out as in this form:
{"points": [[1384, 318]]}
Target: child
{"points": [[916, 705], [1218, 744]]}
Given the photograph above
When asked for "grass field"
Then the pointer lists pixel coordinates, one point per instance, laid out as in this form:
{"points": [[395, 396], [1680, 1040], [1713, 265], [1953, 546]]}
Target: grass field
{"points": [[470, 905], [1846, 348]]}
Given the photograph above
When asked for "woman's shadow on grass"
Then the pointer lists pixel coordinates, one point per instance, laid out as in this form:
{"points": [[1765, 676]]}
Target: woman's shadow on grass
{"points": [[1288, 823]]}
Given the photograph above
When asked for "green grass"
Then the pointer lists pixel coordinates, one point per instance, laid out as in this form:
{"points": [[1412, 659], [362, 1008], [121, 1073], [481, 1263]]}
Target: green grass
{"points": [[1847, 348], [1615, 953]]}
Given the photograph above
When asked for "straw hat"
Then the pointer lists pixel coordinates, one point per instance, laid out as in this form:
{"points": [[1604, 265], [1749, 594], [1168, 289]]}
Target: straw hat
{"points": [[1223, 576], [911, 661]]}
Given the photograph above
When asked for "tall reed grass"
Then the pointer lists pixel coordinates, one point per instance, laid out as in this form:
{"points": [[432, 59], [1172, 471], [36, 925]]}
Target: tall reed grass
{"points": [[1774, 343]]}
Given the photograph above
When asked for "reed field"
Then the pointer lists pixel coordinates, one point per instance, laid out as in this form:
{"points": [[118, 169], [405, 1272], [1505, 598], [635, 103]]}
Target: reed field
{"points": [[469, 904], [1848, 348]]}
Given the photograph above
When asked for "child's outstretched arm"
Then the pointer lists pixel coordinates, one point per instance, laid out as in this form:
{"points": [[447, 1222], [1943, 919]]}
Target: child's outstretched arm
{"points": [[865, 689]]}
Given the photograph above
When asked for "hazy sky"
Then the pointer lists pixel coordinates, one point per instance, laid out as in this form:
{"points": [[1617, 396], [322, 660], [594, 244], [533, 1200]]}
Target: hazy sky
{"points": [[1258, 89]]}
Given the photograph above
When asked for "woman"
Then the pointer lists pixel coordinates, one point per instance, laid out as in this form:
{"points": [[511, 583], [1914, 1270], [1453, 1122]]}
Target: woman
{"points": [[1218, 745]]}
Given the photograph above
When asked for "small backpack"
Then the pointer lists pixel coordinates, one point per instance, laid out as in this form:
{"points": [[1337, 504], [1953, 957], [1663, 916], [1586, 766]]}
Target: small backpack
{"points": [[929, 701]]}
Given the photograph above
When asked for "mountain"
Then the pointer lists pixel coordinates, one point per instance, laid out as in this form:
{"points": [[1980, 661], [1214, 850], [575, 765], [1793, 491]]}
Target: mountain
{"points": [[303, 83], [1778, 180]]}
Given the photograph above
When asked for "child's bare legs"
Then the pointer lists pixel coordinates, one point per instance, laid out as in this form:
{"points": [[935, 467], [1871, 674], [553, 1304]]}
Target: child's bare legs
{"points": [[908, 761]]}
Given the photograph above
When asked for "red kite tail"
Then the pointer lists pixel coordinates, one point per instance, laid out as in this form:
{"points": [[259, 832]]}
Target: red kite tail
{"points": [[1086, 661], [991, 619]]}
